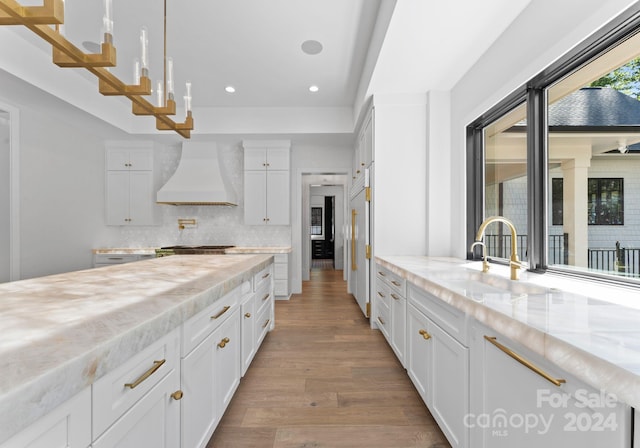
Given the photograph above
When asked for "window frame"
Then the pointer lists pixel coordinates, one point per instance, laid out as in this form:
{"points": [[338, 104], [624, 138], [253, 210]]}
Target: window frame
{"points": [[534, 92]]}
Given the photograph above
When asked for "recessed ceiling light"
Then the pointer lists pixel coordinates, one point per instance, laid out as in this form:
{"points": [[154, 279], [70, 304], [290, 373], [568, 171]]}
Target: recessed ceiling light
{"points": [[230, 89], [311, 47], [314, 89]]}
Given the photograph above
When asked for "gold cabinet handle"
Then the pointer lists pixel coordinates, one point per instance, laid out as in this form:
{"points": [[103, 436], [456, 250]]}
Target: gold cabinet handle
{"points": [[224, 342], [224, 310], [177, 395], [395, 297], [395, 283], [381, 321], [147, 374], [380, 294], [381, 274], [266, 297], [266, 323], [525, 362], [425, 334], [354, 266], [267, 274], [247, 315]]}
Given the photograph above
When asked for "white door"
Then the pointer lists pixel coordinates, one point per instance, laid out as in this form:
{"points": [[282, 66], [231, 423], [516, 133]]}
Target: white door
{"points": [[117, 198], [5, 204]]}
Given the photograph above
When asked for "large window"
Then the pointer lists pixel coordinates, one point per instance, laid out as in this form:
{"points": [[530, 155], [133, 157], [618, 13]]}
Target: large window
{"points": [[560, 158]]}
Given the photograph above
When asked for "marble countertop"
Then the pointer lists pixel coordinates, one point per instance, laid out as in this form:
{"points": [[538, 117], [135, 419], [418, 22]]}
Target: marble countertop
{"points": [[566, 321], [62, 332], [233, 250]]}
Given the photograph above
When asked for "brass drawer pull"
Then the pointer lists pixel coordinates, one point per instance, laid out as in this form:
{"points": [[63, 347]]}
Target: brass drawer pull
{"points": [[145, 375], [266, 323], [177, 395], [381, 274], [395, 283], [381, 321], [224, 310], [224, 342], [525, 362], [425, 334], [395, 297], [247, 315], [380, 294], [266, 297], [265, 275]]}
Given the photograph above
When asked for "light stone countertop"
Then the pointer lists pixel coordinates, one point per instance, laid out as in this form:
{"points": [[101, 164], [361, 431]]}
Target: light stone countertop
{"points": [[563, 320], [233, 250], [62, 332]]}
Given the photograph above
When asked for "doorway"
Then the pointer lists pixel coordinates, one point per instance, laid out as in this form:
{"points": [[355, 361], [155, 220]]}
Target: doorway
{"points": [[323, 202]]}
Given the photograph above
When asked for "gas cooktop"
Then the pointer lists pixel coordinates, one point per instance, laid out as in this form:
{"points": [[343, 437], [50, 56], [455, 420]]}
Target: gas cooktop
{"points": [[192, 250]]}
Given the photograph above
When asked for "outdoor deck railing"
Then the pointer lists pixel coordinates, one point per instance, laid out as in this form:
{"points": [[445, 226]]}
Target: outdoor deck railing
{"points": [[500, 246]]}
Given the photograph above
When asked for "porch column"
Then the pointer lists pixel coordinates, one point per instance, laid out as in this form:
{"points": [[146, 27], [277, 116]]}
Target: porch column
{"points": [[575, 190]]}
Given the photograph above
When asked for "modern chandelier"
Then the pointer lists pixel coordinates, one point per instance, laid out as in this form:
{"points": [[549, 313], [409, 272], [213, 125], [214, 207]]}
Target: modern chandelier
{"points": [[40, 19]]}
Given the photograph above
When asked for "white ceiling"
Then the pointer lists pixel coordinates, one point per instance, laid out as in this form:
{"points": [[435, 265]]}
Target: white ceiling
{"points": [[369, 46]]}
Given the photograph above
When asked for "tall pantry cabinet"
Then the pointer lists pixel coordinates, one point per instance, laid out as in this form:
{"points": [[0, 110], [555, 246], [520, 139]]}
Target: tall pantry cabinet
{"points": [[390, 157]]}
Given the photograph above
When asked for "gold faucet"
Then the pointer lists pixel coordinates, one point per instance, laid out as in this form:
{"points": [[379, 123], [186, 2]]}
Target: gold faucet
{"points": [[514, 262]]}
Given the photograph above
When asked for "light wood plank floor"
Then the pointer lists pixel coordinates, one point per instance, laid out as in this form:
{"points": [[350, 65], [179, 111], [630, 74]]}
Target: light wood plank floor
{"points": [[322, 378]]}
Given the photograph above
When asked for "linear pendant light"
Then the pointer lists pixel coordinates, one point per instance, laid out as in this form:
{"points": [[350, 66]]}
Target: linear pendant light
{"points": [[39, 18]]}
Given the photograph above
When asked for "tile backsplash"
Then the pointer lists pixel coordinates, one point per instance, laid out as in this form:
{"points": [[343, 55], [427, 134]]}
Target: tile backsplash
{"points": [[215, 224]]}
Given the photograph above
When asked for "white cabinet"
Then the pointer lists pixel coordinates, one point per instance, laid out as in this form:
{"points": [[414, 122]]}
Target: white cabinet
{"points": [[359, 249], [390, 304], [514, 405], [363, 154], [266, 183], [69, 426], [438, 366], [211, 367], [137, 404], [131, 183]]}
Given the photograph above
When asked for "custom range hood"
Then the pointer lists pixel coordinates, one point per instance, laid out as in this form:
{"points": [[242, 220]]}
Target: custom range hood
{"points": [[198, 179]]}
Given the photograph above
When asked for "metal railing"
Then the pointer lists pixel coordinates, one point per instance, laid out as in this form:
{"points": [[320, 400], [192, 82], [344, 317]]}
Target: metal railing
{"points": [[621, 260], [499, 246]]}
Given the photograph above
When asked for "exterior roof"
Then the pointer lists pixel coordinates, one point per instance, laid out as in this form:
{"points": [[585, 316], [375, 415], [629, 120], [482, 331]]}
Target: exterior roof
{"points": [[594, 107]]}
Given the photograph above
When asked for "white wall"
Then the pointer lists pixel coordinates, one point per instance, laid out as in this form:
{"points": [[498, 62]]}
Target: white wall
{"points": [[545, 31]]}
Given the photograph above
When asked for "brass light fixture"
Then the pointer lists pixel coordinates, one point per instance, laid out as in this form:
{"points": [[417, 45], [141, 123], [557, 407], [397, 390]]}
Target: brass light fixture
{"points": [[39, 20]]}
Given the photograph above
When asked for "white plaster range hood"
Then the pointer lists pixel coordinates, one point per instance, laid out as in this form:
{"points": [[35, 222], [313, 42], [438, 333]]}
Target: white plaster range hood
{"points": [[198, 180]]}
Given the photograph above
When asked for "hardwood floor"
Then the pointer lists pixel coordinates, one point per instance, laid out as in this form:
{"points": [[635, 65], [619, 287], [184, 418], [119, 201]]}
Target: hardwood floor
{"points": [[322, 378]]}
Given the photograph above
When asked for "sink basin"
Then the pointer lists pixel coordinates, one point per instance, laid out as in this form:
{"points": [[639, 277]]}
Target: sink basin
{"points": [[474, 282]]}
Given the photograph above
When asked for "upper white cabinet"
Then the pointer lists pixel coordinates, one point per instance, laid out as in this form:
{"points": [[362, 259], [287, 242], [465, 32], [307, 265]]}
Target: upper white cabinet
{"points": [[363, 154], [131, 184], [266, 182]]}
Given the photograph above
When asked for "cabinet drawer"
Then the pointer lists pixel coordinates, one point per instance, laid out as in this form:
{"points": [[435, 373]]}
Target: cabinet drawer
{"points": [[123, 387], [396, 283], [104, 259], [264, 296], [281, 258], [384, 320], [262, 277], [281, 287], [382, 294], [263, 322], [280, 271], [196, 329], [450, 319]]}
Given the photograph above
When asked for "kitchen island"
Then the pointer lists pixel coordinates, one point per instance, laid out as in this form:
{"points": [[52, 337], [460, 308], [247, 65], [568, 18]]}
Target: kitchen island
{"points": [[62, 333]]}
